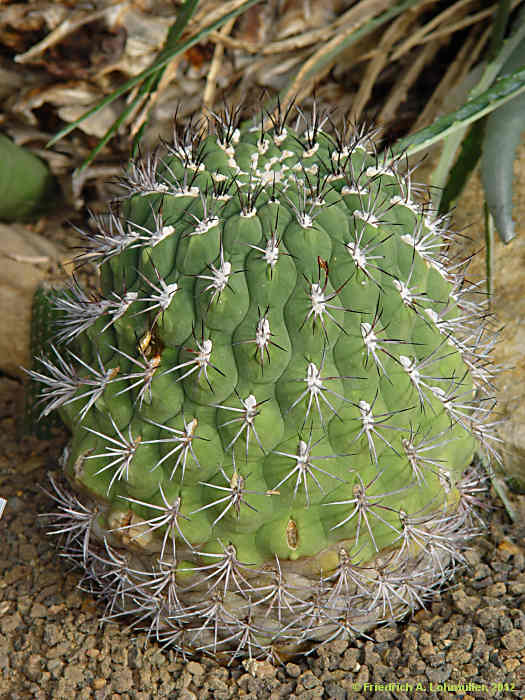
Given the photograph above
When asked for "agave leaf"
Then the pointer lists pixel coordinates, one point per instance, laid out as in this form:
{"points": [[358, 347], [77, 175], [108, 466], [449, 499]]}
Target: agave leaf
{"points": [[449, 177], [503, 90], [503, 133]]}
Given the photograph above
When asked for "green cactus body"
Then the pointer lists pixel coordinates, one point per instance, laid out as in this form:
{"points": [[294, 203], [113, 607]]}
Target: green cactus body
{"points": [[274, 397]]}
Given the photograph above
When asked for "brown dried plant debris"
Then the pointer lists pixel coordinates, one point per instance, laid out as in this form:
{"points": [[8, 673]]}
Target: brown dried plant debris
{"points": [[59, 59]]}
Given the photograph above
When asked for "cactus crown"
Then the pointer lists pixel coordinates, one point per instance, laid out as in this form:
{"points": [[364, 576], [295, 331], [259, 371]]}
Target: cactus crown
{"points": [[275, 393]]}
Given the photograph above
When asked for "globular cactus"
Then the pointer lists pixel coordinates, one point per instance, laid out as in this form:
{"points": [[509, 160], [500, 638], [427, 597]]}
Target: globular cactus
{"points": [[276, 394]]}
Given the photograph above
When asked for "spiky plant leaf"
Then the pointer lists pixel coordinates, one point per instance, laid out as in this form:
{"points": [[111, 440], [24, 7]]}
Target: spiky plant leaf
{"points": [[503, 132]]}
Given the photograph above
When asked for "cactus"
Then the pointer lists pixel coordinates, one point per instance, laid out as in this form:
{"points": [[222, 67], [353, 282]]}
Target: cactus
{"points": [[276, 394]]}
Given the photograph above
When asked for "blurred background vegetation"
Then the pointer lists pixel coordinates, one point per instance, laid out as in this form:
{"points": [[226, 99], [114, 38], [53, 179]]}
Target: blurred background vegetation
{"points": [[90, 78]]}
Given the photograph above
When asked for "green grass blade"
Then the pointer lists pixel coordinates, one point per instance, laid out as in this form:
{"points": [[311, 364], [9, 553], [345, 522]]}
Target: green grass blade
{"points": [[328, 55], [495, 65], [440, 178], [367, 28], [144, 88], [489, 250], [176, 30], [499, 27], [161, 62], [463, 168]]}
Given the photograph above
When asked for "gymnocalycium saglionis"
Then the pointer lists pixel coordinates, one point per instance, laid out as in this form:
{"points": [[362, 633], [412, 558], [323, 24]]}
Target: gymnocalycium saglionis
{"points": [[276, 394]]}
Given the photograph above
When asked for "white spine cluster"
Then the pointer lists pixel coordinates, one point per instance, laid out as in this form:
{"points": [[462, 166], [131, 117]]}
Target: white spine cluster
{"points": [[201, 590]]}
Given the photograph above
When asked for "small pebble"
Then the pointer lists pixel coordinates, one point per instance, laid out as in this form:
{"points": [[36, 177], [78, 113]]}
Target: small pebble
{"points": [[514, 640]]}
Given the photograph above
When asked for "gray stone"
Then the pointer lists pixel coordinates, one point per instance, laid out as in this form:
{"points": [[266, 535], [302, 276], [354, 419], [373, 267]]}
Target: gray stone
{"points": [[514, 640]]}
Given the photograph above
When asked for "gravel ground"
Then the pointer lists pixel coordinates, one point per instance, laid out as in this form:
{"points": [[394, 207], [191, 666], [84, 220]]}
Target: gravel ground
{"points": [[51, 645]]}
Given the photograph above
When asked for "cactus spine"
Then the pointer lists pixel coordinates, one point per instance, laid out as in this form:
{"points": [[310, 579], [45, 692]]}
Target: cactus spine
{"points": [[275, 395]]}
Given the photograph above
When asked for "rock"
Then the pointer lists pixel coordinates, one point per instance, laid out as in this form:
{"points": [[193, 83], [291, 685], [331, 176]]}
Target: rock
{"points": [[28, 259], [514, 640]]}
